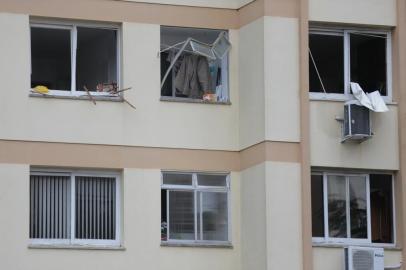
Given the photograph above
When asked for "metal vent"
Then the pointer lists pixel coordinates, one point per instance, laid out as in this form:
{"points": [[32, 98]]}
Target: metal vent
{"points": [[363, 260]]}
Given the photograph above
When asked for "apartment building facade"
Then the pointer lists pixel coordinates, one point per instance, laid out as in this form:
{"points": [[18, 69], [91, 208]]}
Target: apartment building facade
{"points": [[249, 171]]}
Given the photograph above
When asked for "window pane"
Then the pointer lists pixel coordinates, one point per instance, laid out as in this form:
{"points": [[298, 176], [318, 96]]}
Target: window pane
{"points": [[181, 215], [177, 179], [49, 207], [96, 57], [164, 220], [337, 217], [317, 206], [358, 207], [381, 208], [51, 58], [214, 216], [95, 208], [328, 54], [212, 180], [368, 62]]}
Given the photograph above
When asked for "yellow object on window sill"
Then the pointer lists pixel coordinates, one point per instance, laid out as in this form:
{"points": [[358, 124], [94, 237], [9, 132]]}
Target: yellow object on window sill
{"points": [[41, 89]]}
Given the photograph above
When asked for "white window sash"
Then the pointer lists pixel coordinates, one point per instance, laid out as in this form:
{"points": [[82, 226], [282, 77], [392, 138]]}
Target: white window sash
{"points": [[197, 195], [73, 240], [74, 91], [347, 63], [352, 241]]}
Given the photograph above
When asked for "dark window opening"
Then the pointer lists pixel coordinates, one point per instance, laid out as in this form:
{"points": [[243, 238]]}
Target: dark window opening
{"points": [[317, 206], [368, 62], [96, 58], [328, 55], [164, 221], [381, 208], [192, 76], [51, 58]]}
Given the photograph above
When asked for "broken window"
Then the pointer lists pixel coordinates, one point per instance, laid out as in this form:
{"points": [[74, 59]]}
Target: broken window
{"points": [[70, 58], [201, 69], [338, 57], [352, 208], [194, 207]]}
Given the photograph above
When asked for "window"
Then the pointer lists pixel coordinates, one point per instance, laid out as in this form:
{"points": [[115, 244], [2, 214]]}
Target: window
{"points": [[74, 208], [66, 58], [195, 207], [200, 72], [338, 57], [352, 208]]}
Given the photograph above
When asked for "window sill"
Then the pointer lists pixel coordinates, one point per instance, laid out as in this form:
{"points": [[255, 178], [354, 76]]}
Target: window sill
{"points": [[341, 98], [342, 245], [86, 247], [197, 244], [190, 100], [82, 97]]}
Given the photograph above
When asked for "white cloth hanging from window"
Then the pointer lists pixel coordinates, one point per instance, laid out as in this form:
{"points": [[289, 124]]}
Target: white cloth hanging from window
{"points": [[372, 101]]}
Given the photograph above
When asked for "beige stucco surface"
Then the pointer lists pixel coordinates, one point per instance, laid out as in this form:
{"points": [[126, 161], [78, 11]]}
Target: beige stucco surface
{"points": [[153, 123], [141, 231], [271, 233], [333, 258], [379, 152], [269, 81], [233, 4], [251, 84], [281, 69], [372, 12]]}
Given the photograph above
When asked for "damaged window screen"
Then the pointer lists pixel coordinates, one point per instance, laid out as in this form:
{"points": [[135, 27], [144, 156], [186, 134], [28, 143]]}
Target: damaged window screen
{"points": [[327, 51], [51, 58], [193, 76], [96, 57], [368, 61]]}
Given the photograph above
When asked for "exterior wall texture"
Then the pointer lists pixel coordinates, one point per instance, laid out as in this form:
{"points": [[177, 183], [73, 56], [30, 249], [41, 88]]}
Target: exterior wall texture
{"points": [[268, 138]]}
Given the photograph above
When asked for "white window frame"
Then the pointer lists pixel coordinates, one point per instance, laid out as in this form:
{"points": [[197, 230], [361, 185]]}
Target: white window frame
{"points": [[353, 241], [72, 27], [347, 61], [82, 242], [196, 188]]}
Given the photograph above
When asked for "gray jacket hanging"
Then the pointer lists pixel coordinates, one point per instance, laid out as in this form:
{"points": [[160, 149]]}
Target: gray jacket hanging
{"points": [[193, 77]]}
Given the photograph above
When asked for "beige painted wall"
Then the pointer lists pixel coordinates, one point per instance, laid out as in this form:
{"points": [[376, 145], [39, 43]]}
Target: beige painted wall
{"points": [[283, 216], [253, 218], [333, 258], [379, 152], [141, 222], [281, 69], [271, 216], [251, 83], [373, 12], [153, 123], [233, 4]]}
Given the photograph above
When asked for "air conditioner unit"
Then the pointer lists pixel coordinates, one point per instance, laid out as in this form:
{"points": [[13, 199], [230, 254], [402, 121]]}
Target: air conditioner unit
{"points": [[356, 122], [364, 258]]}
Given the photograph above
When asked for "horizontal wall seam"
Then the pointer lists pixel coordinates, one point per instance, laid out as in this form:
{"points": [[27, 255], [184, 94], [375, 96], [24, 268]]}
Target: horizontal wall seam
{"points": [[117, 157], [152, 13]]}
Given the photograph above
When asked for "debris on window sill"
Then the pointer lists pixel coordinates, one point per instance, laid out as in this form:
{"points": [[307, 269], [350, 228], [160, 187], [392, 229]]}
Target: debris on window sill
{"points": [[341, 245], [64, 246], [190, 100], [83, 97], [196, 244]]}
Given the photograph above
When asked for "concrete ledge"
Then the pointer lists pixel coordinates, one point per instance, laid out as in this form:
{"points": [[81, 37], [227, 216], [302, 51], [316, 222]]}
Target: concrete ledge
{"points": [[87, 247], [190, 100], [197, 244], [84, 97]]}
